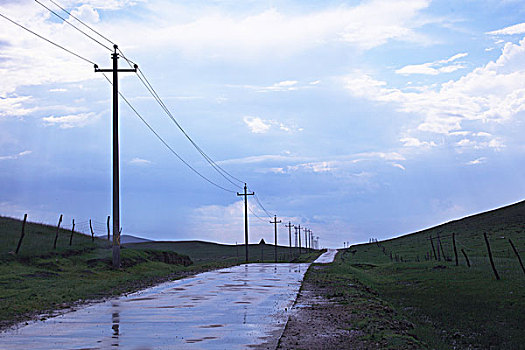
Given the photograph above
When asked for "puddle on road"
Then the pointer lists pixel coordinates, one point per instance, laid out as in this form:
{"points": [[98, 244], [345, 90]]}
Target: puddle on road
{"points": [[234, 308]]}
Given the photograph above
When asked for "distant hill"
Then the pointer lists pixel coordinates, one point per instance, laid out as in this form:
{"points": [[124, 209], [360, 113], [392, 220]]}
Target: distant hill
{"points": [[126, 239], [200, 251]]}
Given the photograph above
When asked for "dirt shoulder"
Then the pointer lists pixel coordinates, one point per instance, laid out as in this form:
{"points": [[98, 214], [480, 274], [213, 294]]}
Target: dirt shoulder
{"points": [[334, 311]]}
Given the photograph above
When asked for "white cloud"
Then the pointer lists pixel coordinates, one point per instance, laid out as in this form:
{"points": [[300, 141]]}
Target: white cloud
{"points": [[13, 106], [287, 85], [219, 223], [455, 57], [337, 165], [273, 33], [261, 159], [494, 144], [257, 125], [399, 166], [72, 120], [415, 142], [86, 13], [139, 161], [477, 161], [492, 93], [260, 126], [433, 68], [16, 156], [515, 29]]}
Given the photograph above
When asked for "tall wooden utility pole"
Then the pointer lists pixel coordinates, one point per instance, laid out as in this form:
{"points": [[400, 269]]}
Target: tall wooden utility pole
{"points": [[246, 194], [275, 222], [298, 227], [289, 234], [116, 176]]}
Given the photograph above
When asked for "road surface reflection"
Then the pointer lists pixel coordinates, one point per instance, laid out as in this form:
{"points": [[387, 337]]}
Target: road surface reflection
{"points": [[232, 308]]}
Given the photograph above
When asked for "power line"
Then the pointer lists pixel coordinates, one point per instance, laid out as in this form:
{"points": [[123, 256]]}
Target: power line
{"points": [[262, 207], [257, 216], [217, 167], [142, 77], [49, 41], [166, 144], [87, 26], [152, 91], [72, 25]]}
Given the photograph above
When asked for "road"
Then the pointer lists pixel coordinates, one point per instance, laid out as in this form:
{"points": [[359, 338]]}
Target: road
{"points": [[327, 257], [233, 308]]}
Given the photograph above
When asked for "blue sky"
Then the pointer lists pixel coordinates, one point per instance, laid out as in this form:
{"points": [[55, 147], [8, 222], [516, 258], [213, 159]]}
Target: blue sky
{"points": [[356, 119]]}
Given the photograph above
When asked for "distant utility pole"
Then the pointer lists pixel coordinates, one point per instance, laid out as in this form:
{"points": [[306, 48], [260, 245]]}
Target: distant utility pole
{"points": [[275, 222], [116, 177], [298, 228], [246, 194], [310, 234], [289, 234], [305, 238]]}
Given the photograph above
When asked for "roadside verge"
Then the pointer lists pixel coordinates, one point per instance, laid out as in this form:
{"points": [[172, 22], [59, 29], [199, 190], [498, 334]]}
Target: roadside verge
{"points": [[335, 311]]}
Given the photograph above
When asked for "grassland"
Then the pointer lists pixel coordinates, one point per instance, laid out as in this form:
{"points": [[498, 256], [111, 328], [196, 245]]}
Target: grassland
{"points": [[41, 279], [199, 251], [453, 306]]}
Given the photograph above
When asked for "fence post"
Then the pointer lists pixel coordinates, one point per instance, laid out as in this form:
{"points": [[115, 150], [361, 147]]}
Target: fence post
{"points": [[58, 228], [517, 254], [440, 246], [72, 230], [466, 257], [490, 256], [108, 227], [455, 249], [92, 233], [22, 235], [433, 249]]}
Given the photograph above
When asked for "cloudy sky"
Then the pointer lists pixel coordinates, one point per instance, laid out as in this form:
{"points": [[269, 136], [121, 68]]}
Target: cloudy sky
{"points": [[356, 119]]}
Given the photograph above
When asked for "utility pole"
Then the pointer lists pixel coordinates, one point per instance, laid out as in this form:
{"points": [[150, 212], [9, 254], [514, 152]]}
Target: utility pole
{"points": [[299, 229], [246, 194], [305, 238], [289, 234], [310, 234], [309, 242], [275, 222], [116, 176]]}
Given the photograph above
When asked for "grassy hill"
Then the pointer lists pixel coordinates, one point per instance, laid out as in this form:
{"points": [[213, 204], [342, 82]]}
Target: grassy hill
{"points": [[453, 306]]}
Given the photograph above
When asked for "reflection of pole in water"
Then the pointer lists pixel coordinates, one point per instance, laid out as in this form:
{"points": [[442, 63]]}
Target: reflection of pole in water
{"points": [[115, 318]]}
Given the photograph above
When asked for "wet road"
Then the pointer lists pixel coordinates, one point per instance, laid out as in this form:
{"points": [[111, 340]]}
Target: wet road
{"points": [[327, 257], [232, 308]]}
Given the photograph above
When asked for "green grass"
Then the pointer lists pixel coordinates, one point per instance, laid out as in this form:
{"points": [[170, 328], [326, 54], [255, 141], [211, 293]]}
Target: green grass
{"points": [[454, 306], [41, 279], [381, 326]]}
